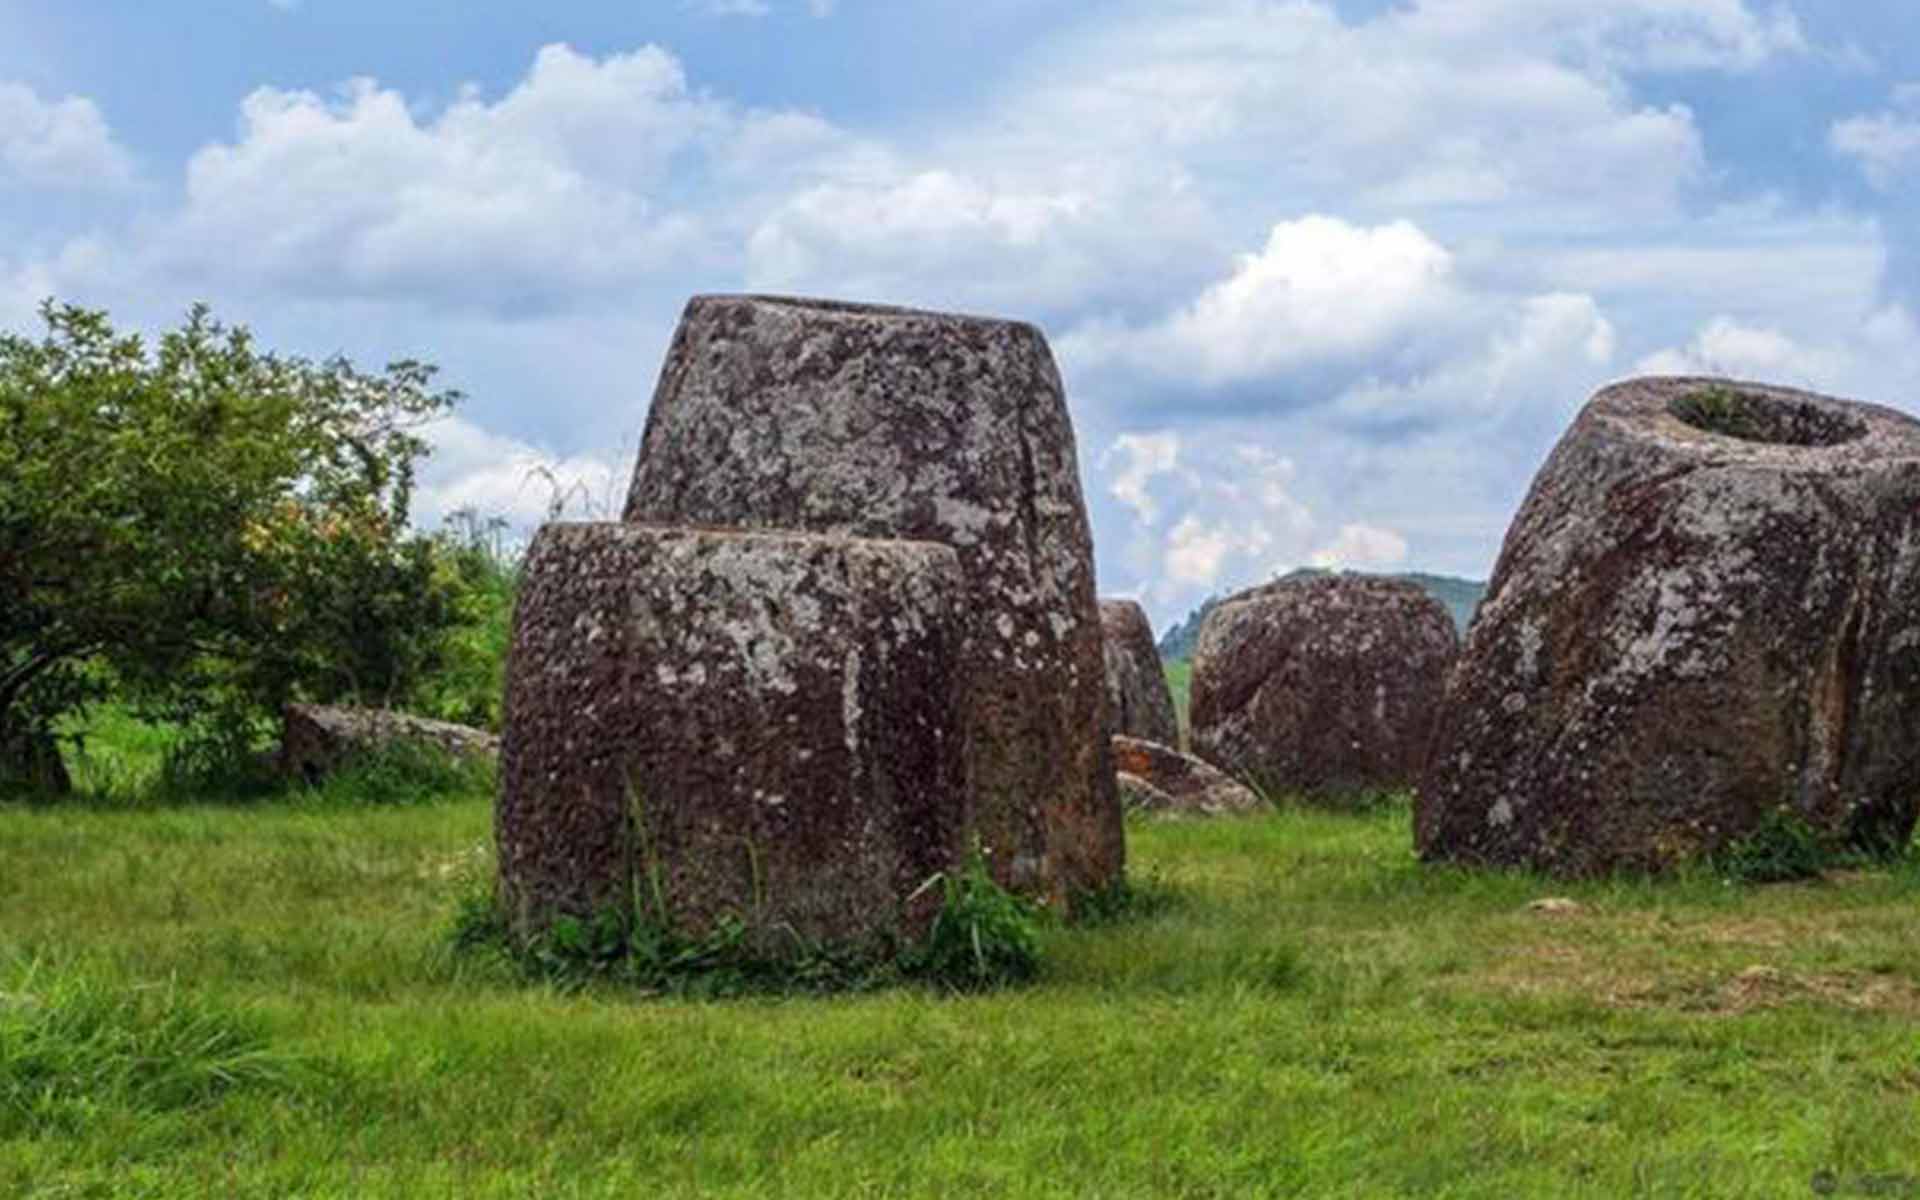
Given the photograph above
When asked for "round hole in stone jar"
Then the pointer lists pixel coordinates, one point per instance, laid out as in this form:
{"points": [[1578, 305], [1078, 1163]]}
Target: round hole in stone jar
{"points": [[1759, 417]]}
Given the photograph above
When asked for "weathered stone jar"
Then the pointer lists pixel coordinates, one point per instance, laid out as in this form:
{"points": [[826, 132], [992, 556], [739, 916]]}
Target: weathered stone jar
{"points": [[777, 413], [1707, 611], [1321, 687], [725, 725], [1138, 699]]}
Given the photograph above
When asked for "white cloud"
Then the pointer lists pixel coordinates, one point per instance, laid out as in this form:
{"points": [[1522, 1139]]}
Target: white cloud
{"points": [[1655, 35], [731, 8], [1142, 456], [587, 176], [1877, 358], [494, 475], [1886, 145], [1361, 545], [1728, 347], [1320, 288], [58, 143], [860, 236], [1446, 103], [1196, 551]]}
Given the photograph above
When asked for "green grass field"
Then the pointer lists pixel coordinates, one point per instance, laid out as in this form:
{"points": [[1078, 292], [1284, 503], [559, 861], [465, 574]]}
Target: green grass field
{"points": [[1180, 683], [259, 1001]]}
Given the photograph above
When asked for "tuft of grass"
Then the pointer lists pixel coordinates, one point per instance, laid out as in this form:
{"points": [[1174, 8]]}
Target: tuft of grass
{"points": [[1721, 410], [1782, 847], [402, 773], [74, 1046], [982, 938]]}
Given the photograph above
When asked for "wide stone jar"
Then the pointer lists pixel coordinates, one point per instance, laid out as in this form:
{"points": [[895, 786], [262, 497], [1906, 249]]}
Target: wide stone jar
{"points": [[1705, 618], [707, 726]]}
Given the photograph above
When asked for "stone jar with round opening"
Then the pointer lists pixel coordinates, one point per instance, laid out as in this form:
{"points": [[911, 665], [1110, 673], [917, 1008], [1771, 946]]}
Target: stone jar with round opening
{"points": [[1705, 617]]}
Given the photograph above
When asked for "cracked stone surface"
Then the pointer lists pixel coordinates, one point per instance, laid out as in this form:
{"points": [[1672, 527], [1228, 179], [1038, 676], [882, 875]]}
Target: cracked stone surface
{"points": [[779, 413], [756, 725], [1138, 698], [1706, 610], [1324, 688]]}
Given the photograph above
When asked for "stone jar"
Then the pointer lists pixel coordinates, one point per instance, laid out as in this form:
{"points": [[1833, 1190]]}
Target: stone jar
{"points": [[777, 413], [1323, 687], [1706, 614]]}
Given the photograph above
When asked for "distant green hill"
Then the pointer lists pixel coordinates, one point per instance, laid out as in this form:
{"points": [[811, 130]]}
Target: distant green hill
{"points": [[1460, 596]]}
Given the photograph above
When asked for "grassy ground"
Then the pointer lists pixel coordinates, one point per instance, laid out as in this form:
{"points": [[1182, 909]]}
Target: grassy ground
{"points": [[257, 1001], [1180, 683]]}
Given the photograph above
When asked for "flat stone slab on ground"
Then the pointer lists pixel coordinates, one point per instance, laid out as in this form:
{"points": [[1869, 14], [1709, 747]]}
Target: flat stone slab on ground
{"points": [[317, 739], [1162, 779]]}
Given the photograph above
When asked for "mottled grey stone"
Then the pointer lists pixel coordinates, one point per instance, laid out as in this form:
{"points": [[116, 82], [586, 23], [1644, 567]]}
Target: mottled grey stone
{"points": [[1323, 687], [1160, 778], [1707, 610], [733, 725], [1138, 699], [883, 422], [317, 739]]}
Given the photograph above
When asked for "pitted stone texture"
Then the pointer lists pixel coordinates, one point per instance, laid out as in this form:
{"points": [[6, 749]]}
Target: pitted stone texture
{"points": [[1321, 687], [318, 739], [1687, 631], [1175, 782], [1138, 699], [757, 725], [883, 422]]}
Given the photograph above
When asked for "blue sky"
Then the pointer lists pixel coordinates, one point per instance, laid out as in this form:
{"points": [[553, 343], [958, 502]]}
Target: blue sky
{"points": [[1325, 279]]}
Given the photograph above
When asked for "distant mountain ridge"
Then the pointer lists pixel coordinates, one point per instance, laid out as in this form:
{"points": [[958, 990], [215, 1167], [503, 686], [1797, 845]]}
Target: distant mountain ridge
{"points": [[1460, 596]]}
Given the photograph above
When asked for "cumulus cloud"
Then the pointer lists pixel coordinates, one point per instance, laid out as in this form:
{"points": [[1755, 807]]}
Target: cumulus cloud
{"points": [[1320, 288], [1877, 360], [585, 177], [1457, 104], [489, 474], [1359, 545], [1141, 456], [1886, 144], [1647, 35], [856, 235], [58, 143]]}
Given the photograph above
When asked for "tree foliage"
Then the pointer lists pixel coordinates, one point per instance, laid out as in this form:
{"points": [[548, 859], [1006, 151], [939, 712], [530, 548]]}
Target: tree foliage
{"points": [[205, 527]]}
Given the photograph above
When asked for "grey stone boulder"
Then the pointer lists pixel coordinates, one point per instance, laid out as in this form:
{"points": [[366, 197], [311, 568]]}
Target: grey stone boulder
{"points": [[865, 421], [1161, 779], [733, 725], [1138, 699], [318, 739], [1706, 613], [1322, 687]]}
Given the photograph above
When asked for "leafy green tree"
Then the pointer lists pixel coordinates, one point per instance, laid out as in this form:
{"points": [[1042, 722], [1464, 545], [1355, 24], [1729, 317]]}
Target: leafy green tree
{"points": [[205, 528]]}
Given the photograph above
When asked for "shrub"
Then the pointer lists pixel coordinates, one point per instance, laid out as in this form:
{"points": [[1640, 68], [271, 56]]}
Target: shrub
{"points": [[1781, 847]]}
